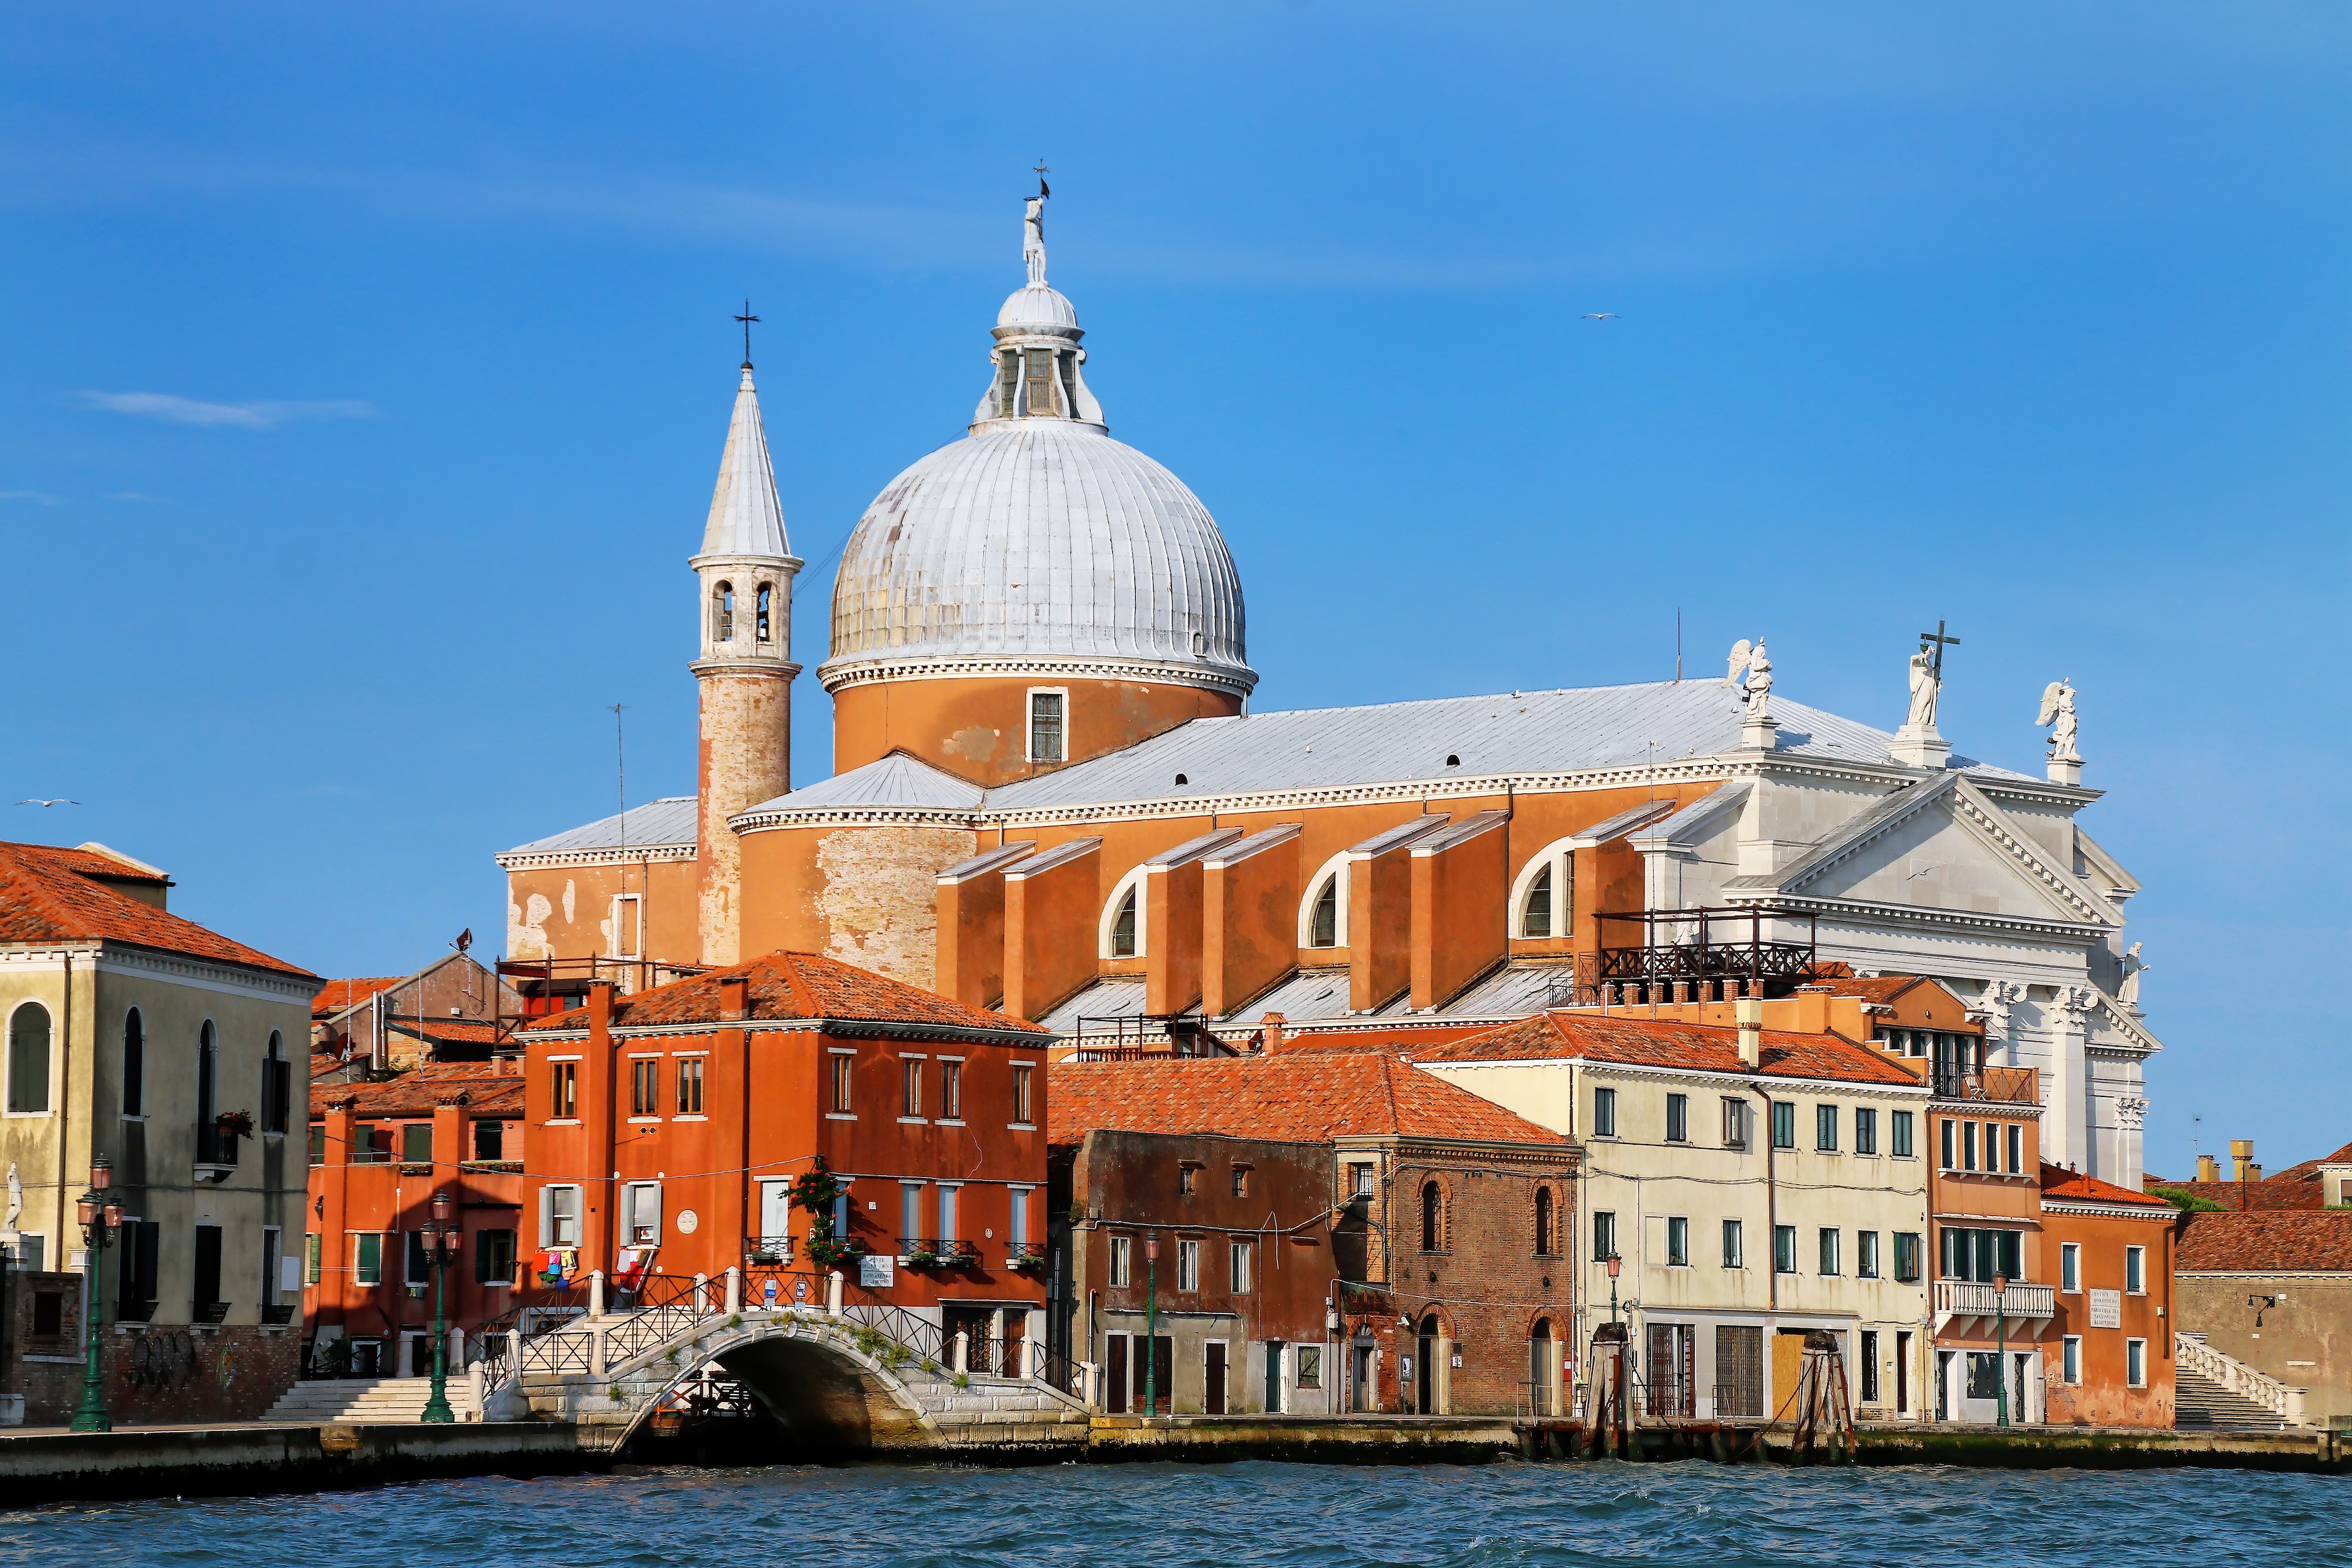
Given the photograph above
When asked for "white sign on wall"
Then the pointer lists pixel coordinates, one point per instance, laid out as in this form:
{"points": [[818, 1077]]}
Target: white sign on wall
{"points": [[2106, 1309], [878, 1270]]}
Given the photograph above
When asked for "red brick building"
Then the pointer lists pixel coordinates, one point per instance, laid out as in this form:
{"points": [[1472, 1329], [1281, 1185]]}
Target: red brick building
{"points": [[2107, 1356], [667, 1129], [379, 1153], [1403, 1244]]}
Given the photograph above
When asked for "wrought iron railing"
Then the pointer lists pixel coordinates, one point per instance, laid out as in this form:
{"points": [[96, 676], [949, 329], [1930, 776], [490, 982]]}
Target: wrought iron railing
{"points": [[935, 1252], [1058, 1371], [1990, 1085], [1024, 1254], [1132, 1037], [666, 1306], [769, 1252]]}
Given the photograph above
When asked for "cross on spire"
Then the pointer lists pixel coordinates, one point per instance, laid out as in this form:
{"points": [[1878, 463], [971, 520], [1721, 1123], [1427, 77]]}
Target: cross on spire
{"points": [[747, 319], [1938, 640]]}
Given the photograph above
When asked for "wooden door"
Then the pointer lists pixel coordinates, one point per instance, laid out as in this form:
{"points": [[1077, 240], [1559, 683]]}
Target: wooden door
{"points": [[1788, 1367], [1163, 1373], [1212, 1396], [1274, 1377], [1115, 1377]]}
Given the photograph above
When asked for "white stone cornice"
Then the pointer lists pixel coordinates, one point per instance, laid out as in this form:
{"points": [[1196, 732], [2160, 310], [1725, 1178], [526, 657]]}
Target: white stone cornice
{"points": [[836, 674], [841, 1029], [1774, 1082], [756, 820], [2105, 1210], [112, 957], [780, 669], [560, 860], [1866, 913]]}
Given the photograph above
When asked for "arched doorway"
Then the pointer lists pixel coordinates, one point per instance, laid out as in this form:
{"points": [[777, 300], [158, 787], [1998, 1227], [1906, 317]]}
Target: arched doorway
{"points": [[1427, 1380], [1540, 1368]]}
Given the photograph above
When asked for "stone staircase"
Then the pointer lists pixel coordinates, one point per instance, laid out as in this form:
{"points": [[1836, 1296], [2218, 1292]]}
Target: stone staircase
{"points": [[2199, 1401], [366, 1401]]}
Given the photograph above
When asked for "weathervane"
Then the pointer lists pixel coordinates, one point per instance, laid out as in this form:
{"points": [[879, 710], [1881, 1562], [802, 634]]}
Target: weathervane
{"points": [[1043, 190], [747, 319]]}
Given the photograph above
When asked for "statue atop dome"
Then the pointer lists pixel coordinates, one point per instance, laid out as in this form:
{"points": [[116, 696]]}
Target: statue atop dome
{"points": [[1032, 241]]}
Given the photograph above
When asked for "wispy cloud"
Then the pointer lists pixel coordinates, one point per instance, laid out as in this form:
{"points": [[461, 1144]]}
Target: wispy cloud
{"points": [[264, 415], [36, 496], [129, 495]]}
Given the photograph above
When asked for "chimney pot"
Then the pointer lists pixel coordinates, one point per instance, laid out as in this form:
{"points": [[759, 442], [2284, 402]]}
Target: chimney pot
{"points": [[734, 997], [2241, 1154], [2208, 1169], [1274, 1023], [1749, 1013]]}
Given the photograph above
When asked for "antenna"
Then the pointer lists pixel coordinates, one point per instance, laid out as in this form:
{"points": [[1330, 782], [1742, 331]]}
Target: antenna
{"points": [[621, 781], [1678, 644]]}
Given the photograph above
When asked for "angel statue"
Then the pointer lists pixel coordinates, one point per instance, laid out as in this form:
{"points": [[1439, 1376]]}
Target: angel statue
{"points": [[1751, 657], [1926, 687], [2058, 717]]}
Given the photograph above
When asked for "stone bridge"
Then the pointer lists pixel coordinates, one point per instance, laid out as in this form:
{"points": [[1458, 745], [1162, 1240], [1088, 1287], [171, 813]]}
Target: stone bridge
{"points": [[838, 1379]]}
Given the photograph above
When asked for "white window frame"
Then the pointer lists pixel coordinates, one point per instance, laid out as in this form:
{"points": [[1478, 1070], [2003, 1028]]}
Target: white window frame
{"points": [[2070, 1361], [1336, 866], [2136, 1264], [1734, 1234], [1364, 1180], [1119, 1268], [547, 1215], [1132, 881], [1240, 1258], [1029, 723], [1188, 1265], [634, 1197], [1560, 856], [1016, 1224], [638, 917]]}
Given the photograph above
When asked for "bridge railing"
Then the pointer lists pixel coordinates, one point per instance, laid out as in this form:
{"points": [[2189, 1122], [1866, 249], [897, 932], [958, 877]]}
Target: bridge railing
{"points": [[2282, 1399], [666, 1306]]}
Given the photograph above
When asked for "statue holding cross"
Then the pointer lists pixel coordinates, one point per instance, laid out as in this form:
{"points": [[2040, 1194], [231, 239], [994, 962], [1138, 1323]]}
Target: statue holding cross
{"points": [[1928, 679]]}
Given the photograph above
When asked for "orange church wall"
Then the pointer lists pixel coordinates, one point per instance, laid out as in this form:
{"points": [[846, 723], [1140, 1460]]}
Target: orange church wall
{"points": [[1051, 918], [865, 895], [976, 727], [1173, 922], [565, 912], [972, 938], [1249, 924], [1379, 927], [1458, 897]]}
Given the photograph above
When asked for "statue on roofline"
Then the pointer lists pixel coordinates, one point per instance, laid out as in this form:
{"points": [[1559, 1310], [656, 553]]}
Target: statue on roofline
{"points": [[1758, 687], [1926, 687], [1032, 241], [2058, 717]]}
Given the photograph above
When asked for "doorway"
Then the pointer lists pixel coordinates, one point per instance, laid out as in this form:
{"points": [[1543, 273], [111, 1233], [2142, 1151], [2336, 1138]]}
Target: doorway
{"points": [[1540, 1368], [1788, 1368], [1115, 1375], [1901, 1374], [1212, 1392], [1274, 1377], [1425, 1384], [1360, 1375]]}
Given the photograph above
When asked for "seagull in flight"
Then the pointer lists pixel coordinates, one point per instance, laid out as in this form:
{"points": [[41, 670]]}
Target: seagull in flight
{"points": [[59, 801], [1601, 316]]}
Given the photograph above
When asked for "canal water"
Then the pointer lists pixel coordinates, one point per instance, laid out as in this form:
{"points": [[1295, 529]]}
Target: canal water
{"points": [[1175, 1516]]}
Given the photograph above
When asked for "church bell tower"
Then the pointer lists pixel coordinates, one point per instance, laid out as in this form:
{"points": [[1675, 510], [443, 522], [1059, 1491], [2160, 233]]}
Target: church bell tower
{"points": [[744, 574]]}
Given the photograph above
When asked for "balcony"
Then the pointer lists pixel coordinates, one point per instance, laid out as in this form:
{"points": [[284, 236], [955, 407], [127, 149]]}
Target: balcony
{"points": [[1701, 954], [1026, 1255], [769, 1252], [1988, 1085], [935, 1253], [1970, 1298]]}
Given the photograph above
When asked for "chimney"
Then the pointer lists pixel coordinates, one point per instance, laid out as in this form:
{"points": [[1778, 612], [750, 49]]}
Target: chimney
{"points": [[734, 998], [2241, 1154], [600, 1004], [2208, 1169], [1750, 1011], [1274, 1025]]}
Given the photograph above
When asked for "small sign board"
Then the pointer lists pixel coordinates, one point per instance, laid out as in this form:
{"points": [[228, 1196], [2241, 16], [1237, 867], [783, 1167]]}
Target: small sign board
{"points": [[876, 1270], [2106, 1309]]}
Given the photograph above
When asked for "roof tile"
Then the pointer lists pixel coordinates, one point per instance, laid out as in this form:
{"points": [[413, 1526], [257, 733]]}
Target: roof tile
{"points": [[1666, 1042], [795, 985], [1306, 1098], [50, 895]]}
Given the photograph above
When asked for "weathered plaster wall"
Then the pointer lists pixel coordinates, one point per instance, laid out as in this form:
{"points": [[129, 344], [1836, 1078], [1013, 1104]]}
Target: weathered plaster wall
{"points": [[976, 727], [878, 896], [745, 758]]}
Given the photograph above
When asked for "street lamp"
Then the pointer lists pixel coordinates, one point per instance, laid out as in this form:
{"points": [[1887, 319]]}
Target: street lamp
{"points": [[2000, 1352], [101, 1213], [1615, 1263], [1151, 1324], [440, 1235]]}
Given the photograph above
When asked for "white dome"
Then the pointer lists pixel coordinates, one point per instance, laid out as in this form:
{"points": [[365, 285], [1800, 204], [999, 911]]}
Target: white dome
{"points": [[1039, 305], [1040, 540]]}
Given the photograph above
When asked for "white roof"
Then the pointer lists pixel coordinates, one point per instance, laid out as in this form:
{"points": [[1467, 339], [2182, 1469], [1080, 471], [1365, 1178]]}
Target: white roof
{"points": [[1038, 305], [746, 518], [666, 823], [897, 780]]}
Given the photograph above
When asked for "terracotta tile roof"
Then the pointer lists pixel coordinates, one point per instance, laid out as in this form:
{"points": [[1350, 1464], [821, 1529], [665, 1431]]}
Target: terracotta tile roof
{"points": [[797, 985], [469, 1032], [2267, 1243], [1876, 989], [336, 995], [1308, 1097], [2060, 1183], [494, 1087], [49, 894], [1666, 1042]]}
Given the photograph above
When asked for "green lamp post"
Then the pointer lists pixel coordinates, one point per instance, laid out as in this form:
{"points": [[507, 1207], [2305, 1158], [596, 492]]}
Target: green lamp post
{"points": [[1151, 1324], [1615, 1264], [101, 1213], [2001, 1352], [441, 1240]]}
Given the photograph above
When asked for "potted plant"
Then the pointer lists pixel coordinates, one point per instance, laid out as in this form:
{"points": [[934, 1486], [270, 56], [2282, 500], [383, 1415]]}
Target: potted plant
{"points": [[1028, 1258]]}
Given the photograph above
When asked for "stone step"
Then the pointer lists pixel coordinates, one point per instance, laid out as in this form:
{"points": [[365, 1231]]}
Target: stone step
{"points": [[2199, 1401], [361, 1401]]}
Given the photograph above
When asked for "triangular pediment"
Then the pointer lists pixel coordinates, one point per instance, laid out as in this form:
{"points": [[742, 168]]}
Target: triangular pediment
{"points": [[1938, 845]]}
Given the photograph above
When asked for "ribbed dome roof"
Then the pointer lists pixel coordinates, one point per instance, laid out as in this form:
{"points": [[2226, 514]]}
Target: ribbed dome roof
{"points": [[1039, 305], [1039, 537]]}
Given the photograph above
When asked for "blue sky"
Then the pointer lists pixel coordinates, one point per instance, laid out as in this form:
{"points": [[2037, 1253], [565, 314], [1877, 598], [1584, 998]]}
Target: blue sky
{"points": [[365, 373]]}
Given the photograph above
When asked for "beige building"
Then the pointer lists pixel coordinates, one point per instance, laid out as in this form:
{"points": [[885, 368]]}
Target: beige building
{"points": [[180, 1056], [1752, 1183]]}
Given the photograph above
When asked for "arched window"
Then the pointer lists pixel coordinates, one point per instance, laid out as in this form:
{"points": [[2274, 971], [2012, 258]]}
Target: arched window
{"points": [[1324, 926], [1433, 1210], [1543, 896], [28, 1058], [1544, 1248], [723, 614], [134, 1064], [277, 1085], [760, 613], [1534, 911], [1122, 927]]}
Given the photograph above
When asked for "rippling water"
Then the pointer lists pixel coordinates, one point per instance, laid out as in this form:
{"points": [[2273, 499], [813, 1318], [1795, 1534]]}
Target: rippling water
{"points": [[1173, 1516]]}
